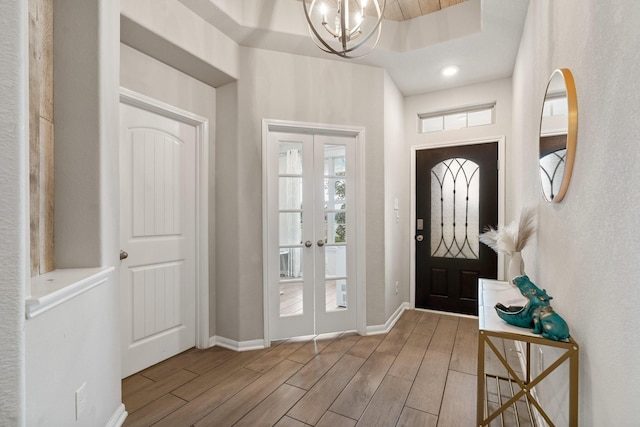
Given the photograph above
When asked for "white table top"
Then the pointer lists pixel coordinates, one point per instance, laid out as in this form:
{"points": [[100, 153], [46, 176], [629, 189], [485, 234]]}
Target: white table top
{"points": [[491, 292]]}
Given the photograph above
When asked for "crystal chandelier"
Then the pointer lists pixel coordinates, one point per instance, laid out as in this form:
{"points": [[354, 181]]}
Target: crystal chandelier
{"points": [[339, 32]]}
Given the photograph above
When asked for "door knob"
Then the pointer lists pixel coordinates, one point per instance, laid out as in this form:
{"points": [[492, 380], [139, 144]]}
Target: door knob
{"points": [[320, 242], [123, 255], [308, 243], [419, 237]]}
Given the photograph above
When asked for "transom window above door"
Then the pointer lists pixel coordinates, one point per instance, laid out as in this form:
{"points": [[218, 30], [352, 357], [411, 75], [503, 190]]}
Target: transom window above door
{"points": [[457, 118]]}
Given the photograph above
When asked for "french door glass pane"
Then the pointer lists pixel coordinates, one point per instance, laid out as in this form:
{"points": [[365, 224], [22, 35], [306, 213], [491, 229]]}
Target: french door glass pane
{"points": [[336, 295], [335, 261], [290, 158], [290, 228], [335, 227], [455, 203], [291, 299], [291, 264], [290, 193], [335, 193], [334, 160]]}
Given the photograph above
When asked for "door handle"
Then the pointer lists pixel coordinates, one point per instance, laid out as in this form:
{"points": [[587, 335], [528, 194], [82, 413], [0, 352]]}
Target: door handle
{"points": [[308, 243], [123, 255], [321, 243], [419, 238]]}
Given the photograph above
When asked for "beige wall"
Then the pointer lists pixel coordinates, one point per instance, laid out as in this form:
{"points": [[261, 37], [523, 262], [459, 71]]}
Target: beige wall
{"points": [[77, 342], [585, 253], [150, 77], [396, 187], [14, 214], [498, 91], [279, 86]]}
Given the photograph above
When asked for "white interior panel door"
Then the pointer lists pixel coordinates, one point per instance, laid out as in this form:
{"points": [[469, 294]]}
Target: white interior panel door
{"points": [[310, 234], [157, 223]]}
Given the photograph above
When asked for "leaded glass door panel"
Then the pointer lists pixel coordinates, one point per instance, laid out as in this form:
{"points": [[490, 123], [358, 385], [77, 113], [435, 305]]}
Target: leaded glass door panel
{"points": [[456, 196]]}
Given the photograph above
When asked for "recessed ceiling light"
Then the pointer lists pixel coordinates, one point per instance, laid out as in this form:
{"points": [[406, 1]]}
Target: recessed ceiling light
{"points": [[449, 71]]}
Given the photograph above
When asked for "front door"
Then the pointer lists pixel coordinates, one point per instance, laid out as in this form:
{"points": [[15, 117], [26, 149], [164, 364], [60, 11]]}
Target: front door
{"points": [[157, 223], [310, 234], [456, 197]]}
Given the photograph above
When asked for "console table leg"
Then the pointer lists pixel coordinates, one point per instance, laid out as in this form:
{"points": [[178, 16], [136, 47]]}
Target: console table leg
{"points": [[573, 388], [481, 380]]}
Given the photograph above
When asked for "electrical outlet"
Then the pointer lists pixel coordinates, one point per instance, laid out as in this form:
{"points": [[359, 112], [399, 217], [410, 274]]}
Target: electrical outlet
{"points": [[81, 400]]}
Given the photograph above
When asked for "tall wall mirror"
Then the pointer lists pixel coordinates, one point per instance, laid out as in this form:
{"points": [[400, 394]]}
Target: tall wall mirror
{"points": [[558, 134]]}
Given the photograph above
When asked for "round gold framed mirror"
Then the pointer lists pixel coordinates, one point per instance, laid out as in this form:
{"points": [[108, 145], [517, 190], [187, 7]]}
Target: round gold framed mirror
{"points": [[558, 135]]}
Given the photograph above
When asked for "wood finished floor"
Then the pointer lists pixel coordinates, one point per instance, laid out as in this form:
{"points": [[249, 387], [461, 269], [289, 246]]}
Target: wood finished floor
{"points": [[422, 373]]}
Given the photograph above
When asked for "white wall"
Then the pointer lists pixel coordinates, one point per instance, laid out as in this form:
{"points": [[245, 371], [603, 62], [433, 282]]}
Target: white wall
{"points": [[148, 76], [274, 85], [396, 188], [227, 301], [585, 251], [78, 341], [498, 91], [173, 34], [74, 343], [14, 250]]}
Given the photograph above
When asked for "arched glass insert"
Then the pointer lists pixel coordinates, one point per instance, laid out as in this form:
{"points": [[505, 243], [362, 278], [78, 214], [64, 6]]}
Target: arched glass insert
{"points": [[455, 203]]}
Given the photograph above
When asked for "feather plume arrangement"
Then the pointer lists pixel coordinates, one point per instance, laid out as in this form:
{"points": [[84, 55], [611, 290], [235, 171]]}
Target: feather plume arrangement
{"points": [[513, 237]]}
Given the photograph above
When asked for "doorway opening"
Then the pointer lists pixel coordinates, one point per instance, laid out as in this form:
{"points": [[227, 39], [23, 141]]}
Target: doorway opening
{"points": [[313, 238], [164, 284], [457, 190]]}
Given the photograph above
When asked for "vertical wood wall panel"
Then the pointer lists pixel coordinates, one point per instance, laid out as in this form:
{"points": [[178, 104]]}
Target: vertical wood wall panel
{"points": [[41, 161]]}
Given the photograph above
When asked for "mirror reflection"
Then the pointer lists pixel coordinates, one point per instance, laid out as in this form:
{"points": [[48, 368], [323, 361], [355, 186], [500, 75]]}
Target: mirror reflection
{"points": [[558, 127]]}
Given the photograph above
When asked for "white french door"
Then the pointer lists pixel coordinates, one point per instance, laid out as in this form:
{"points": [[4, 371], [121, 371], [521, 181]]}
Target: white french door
{"points": [[311, 234]]}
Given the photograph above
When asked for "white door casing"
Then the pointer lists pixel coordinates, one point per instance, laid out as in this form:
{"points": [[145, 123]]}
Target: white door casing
{"points": [[163, 279], [302, 211]]}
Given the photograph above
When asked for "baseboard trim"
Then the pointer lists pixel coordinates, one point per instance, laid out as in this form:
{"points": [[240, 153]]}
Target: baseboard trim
{"points": [[260, 344], [383, 329], [118, 417], [236, 345]]}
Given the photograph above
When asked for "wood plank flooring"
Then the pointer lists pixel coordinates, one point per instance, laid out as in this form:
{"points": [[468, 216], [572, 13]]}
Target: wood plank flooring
{"points": [[422, 373]]}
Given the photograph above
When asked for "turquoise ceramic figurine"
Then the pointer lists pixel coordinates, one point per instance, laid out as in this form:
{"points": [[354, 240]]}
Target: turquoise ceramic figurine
{"points": [[537, 314]]}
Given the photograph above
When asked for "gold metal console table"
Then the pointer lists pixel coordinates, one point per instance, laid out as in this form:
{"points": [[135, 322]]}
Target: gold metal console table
{"points": [[490, 326]]}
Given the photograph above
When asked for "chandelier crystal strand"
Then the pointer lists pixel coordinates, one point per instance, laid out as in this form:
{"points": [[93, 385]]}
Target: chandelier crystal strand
{"points": [[336, 35]]}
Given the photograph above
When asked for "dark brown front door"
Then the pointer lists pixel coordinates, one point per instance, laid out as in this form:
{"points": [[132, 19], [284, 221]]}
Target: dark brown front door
{"points": [[456, 197]]}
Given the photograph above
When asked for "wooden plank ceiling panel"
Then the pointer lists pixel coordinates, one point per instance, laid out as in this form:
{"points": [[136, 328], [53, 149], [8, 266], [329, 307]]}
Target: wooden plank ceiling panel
{"points": [[402, 10]]}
